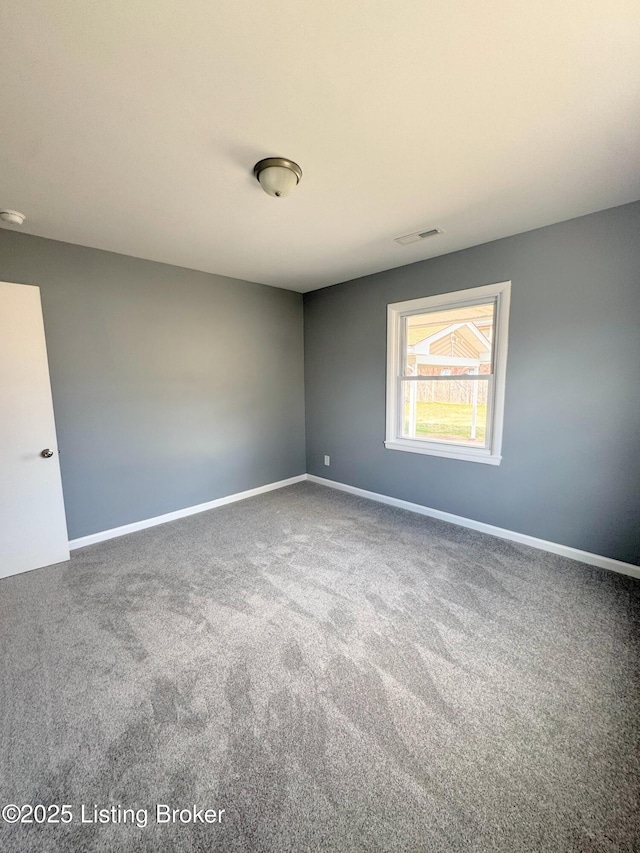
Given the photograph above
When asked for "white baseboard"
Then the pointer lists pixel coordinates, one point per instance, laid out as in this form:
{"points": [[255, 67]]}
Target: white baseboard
{"points": [[103, 535], [501, 532], [542, 544]]}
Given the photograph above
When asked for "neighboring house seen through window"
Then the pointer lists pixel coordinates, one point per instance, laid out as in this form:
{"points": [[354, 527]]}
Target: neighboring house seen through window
{"points": [[446, 366]]}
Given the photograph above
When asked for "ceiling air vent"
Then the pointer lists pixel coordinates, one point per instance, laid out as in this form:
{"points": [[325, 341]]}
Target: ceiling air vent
{"points": [[418, 235]]}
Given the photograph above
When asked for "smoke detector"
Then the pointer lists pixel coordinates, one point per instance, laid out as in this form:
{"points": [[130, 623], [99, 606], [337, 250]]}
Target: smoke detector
{"points": [[13, 217], [417, 235]]}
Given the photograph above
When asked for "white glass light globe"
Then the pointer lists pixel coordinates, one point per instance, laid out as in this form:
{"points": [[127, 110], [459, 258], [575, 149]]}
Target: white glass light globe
{"points": [[277, 181]]}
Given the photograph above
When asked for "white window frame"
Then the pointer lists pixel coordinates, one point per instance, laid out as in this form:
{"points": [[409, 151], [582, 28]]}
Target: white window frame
{"points": [[396, 312]]}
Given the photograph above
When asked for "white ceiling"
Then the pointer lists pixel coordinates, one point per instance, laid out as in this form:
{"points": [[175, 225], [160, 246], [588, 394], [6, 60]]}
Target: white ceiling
{"points": [[133, 126]]}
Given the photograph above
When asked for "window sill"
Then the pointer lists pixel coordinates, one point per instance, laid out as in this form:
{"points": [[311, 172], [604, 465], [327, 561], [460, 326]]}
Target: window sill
{"points": [[486, 457]]}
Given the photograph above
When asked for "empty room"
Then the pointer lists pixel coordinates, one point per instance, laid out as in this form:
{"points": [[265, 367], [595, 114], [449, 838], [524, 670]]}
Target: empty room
{"points": [[320, 426]]}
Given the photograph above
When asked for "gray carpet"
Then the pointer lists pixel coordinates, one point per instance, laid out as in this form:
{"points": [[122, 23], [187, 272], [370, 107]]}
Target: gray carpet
{"points": [[335, 674]]}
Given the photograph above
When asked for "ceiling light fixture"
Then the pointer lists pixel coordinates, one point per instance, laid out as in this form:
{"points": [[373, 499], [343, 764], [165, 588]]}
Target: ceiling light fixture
{"points": [[278, 177], [14, 217]]}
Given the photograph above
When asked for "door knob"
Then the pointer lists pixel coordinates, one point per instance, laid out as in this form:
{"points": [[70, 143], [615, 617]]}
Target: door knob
{"points": [[47, 453]]}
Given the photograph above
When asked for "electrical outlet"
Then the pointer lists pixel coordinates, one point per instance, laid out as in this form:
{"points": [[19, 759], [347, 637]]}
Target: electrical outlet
{"points": [[327, 460]]}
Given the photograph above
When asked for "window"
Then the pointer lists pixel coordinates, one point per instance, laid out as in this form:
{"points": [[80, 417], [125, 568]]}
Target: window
{"points": [[446, 367]]}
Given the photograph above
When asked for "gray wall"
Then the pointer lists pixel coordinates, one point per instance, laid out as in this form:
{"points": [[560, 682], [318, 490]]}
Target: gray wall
{"points": [[571, 450], [170, 387]]}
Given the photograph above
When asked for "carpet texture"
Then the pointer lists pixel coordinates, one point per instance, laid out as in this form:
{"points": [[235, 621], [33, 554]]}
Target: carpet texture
{"points": [[337, 675]]}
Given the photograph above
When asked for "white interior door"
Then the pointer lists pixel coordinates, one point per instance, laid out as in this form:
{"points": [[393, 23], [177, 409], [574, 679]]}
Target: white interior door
{"points": [[33, 528]]}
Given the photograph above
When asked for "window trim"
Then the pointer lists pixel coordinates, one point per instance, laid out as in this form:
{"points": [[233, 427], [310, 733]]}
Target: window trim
{"points": [[396, 311]]}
